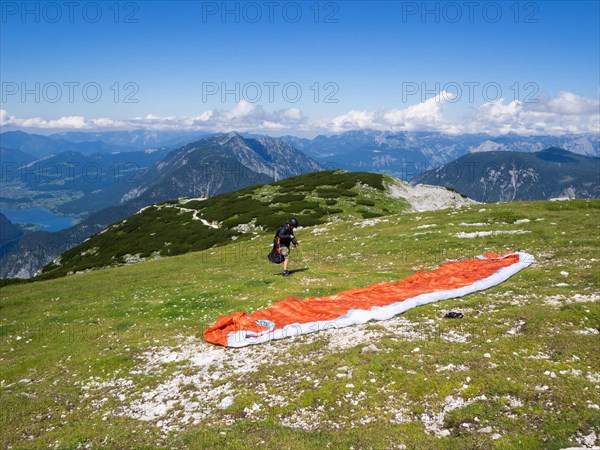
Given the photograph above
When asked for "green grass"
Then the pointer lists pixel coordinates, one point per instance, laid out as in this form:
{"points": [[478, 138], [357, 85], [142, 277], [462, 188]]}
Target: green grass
{"points": [[59, 335]]}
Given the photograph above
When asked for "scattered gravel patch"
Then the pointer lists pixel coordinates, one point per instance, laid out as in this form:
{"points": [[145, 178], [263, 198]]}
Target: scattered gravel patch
{"points": [[369, 222], [202, 383], [453, 368], [560, 300], [463, 235], [588, 440], [428, 198], [433, 421], [426, 226], [463, 224], [344, 338]]}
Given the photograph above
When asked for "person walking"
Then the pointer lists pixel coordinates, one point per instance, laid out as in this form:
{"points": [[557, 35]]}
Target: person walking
{"points": [[286, 236]]}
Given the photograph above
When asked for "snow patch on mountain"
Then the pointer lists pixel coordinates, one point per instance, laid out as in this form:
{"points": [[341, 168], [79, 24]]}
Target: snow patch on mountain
{"points": [[132, 194]]}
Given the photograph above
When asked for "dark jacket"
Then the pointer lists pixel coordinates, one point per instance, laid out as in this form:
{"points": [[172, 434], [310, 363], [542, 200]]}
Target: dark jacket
{"points": [[286, 236]]}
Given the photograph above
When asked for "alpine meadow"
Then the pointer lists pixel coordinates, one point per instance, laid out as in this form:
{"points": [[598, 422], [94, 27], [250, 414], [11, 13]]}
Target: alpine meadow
{"points": [[90, 360], [357, 225]]}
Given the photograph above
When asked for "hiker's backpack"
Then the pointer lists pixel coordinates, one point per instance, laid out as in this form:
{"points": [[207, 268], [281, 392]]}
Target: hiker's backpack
{"points": [[275, 256]]}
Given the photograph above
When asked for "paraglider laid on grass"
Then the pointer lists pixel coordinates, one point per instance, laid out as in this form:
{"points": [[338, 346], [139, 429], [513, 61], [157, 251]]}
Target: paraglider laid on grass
{"points": [[294, 316]]}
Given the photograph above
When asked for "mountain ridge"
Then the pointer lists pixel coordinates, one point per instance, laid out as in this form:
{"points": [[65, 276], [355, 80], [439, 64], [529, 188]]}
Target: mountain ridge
{"points": [[405, 154], [495, 176]]}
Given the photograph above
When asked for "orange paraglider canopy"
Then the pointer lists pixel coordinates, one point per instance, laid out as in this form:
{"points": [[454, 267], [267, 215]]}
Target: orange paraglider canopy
{"points": [[293, 316]]}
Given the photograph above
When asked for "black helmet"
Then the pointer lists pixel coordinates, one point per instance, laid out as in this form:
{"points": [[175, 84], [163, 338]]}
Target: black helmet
{"points": [[293, 222]]}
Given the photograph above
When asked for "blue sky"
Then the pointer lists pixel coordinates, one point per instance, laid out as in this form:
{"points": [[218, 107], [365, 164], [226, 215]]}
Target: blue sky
{"points": [[357, 64]]}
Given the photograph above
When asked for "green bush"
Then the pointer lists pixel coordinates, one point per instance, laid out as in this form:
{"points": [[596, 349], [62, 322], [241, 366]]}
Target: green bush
{"points": [[365, 202], [328, 192]]}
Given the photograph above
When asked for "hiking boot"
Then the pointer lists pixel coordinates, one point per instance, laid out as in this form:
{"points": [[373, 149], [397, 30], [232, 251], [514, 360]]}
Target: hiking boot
{"points": [[286, 273]]}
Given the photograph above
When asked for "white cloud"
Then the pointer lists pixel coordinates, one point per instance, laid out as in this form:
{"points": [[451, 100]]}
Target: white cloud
{"points": [[243, 117], [104, 122], [567, 103], [424, 116], [293, 114], [69, 122], [566, 112], [354, 120], [205, 116], [242, 109], [4, 117]]}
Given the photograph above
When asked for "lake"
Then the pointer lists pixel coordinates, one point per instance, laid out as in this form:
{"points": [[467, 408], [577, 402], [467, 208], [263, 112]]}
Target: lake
{"points": [[38, 216]]}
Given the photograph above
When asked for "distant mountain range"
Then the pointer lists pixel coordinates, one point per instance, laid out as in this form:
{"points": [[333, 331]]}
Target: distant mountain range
{"points": [[89, 143], [39, 146], [494, 176], [136, 139], [406, 154], [127, 170], [437, 148], [208, 167]]}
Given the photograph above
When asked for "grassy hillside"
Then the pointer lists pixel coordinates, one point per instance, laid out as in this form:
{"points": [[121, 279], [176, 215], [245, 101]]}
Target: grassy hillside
{"points": [[187, 225], [115, 359]]}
